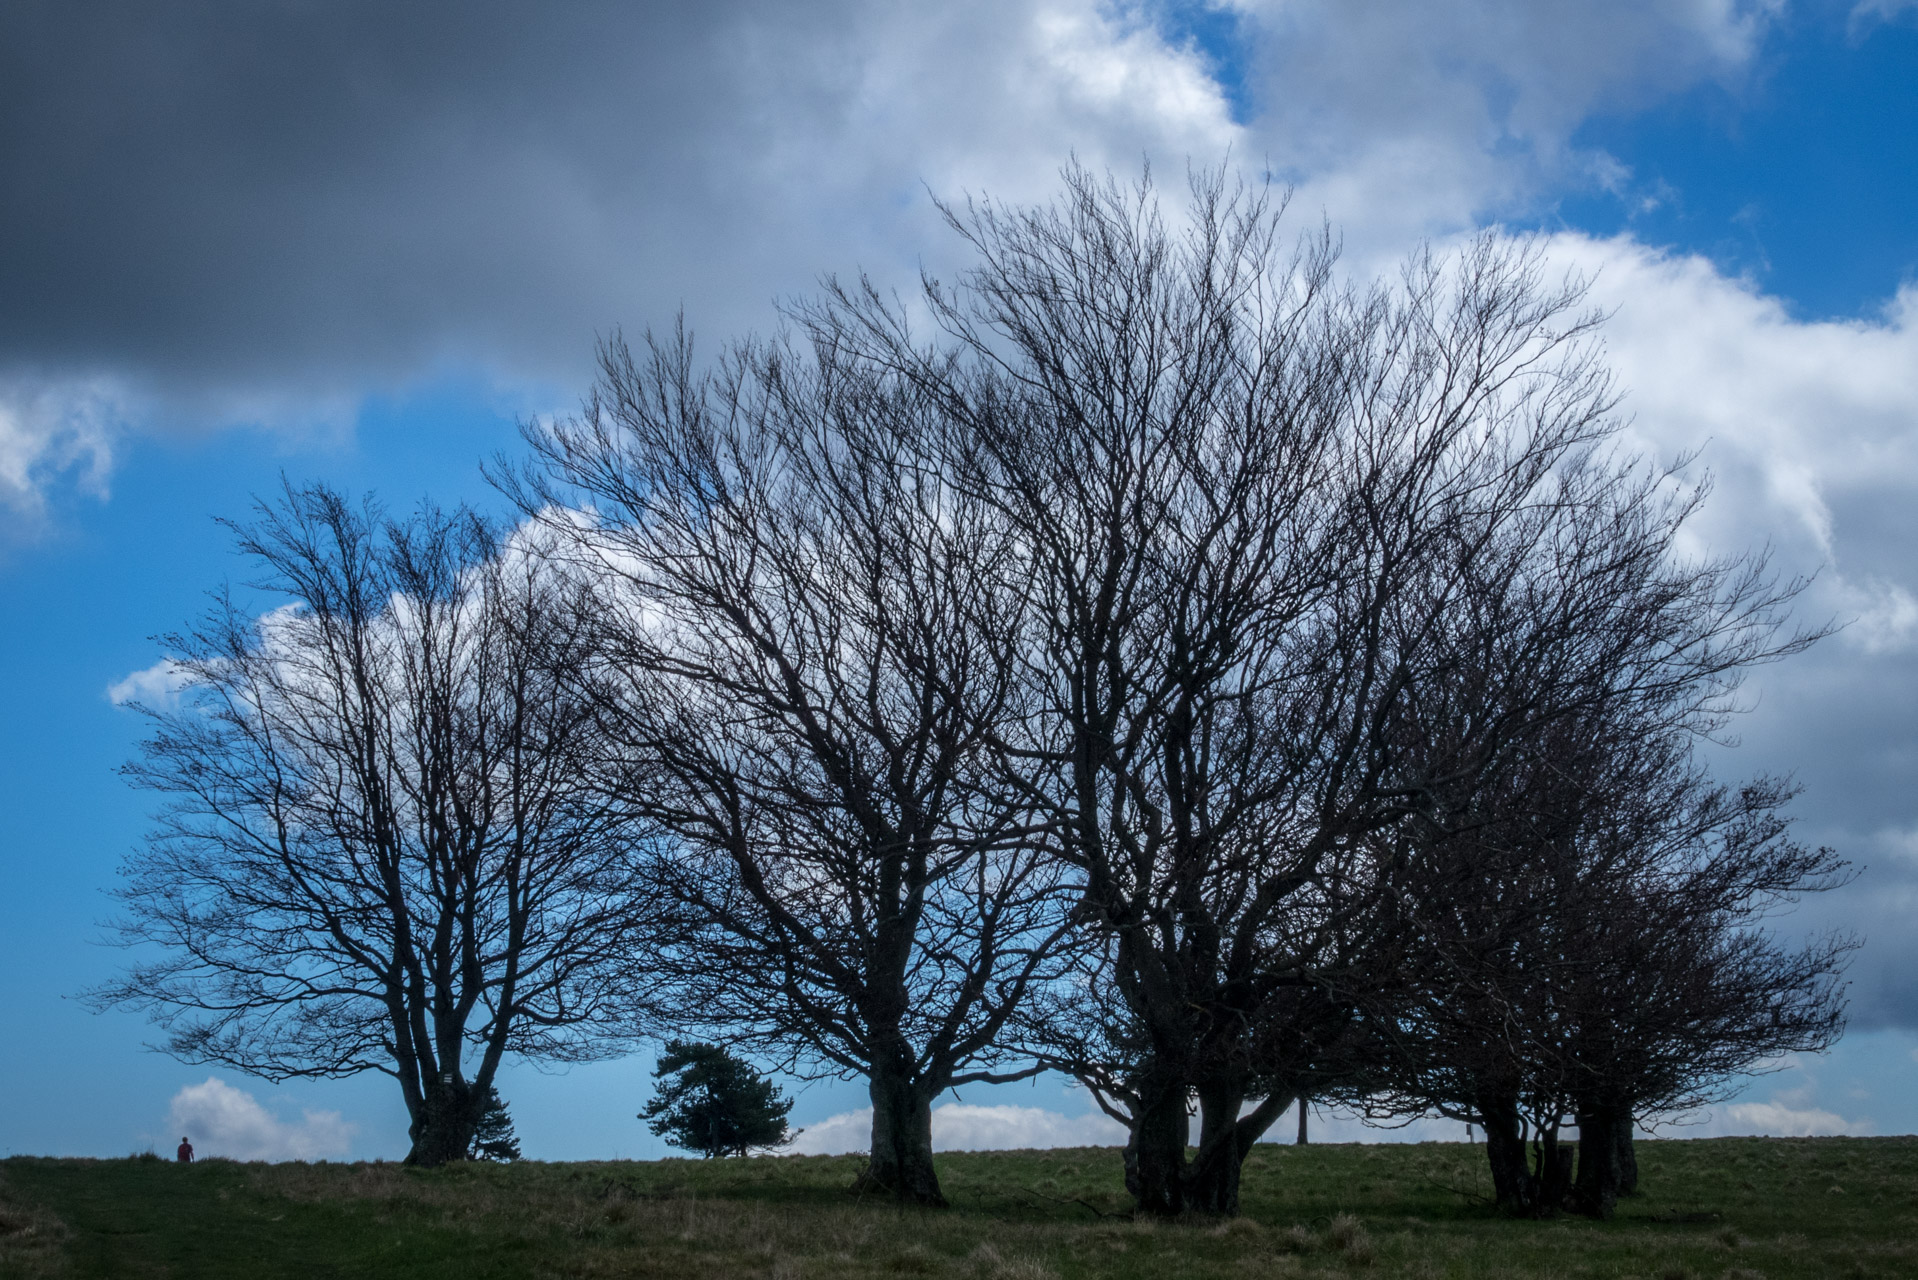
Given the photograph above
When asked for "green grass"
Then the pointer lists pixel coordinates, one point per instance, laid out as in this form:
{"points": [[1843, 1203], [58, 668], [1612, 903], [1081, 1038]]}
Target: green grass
{"points": [[1733, 1207]]}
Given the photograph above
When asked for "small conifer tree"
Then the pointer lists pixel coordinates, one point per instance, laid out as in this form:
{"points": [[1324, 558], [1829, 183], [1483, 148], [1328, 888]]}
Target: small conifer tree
{"points": [[493, 1137], [713, 1103]]}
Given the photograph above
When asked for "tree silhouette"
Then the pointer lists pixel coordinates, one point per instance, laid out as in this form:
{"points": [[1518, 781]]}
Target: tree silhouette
{"points": [[713, 1103]]}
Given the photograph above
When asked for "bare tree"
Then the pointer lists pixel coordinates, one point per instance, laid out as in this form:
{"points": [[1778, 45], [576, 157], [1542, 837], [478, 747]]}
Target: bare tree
{"points": [[1586, 948], [1551, 891], [379, 849], [804, 653]]}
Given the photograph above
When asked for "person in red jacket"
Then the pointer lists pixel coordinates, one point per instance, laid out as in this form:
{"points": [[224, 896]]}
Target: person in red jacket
{"points": [[185, 1153]]}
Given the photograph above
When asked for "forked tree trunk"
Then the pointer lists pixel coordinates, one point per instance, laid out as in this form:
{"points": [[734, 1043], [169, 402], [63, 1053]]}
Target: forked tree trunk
{"points": [[1225, 1140], [1627, 1153], [900, 1163], [1554, 1173]]}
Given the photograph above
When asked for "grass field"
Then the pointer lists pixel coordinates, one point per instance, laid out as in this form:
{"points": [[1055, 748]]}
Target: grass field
{"points": [[1733, 1207]]}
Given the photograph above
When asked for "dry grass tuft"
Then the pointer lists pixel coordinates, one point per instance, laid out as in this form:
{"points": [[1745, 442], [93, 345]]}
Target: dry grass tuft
{"points": [[1298, 1239], [1347, 1235], [990, 1264], [32, 1239]]}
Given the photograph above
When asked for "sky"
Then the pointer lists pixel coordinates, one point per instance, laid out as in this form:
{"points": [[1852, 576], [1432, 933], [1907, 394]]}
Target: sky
{"points": [[359, 242]]}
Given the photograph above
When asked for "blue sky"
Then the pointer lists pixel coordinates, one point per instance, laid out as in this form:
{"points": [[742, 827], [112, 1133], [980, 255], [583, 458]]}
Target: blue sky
{"points": [[356, 245]]}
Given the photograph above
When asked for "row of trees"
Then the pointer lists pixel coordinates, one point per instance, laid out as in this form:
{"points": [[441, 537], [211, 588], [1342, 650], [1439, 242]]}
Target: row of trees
{"points": [[1176, 666]]}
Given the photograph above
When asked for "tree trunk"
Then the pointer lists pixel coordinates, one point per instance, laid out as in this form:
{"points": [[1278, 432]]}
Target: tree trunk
{"points": [[900, 1164], [443, 1124], [1607, 1165], [1554, 1172], [1513, 1183], [1212, 1182], [1225, 1139], [1302, 1112], [1156, 1148], [1595, 1192]]}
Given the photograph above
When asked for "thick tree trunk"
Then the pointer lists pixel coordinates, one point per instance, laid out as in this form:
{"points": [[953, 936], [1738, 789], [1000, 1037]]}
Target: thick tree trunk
{"points": [[1595, 1192], [1513, 1184], [443, 1123], [900, 1164], [1155, 1148], [1607, 1165]]}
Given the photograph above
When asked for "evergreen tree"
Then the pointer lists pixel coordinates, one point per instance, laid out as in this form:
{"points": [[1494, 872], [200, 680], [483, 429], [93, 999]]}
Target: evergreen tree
{"points": [[713, 1103], [493, 1137]]}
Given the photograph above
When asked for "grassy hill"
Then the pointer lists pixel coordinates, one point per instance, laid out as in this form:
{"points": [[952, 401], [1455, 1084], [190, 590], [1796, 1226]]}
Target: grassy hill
{"points": [[1734, 1207]]}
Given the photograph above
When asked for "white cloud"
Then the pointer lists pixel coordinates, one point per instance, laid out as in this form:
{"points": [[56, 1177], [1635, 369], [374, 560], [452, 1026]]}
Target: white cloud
{"points": [[49, 430], [798, 142], [1404, 118], [1792, 1111], [1328, 1125], [157, 686], [1810, 428], [960, 1126], [1776, 1119], [836, 1135], [224, 1121], [1867, 12]]}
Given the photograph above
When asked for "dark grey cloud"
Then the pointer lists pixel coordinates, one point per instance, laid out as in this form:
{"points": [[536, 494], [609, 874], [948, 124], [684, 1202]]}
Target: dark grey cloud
{"points": [[233, 188], [244, 190]]}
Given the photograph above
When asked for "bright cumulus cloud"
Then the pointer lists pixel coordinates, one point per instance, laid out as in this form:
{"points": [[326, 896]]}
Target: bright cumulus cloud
{"points": [[960, 1126], [224, 1121], [1798, 419]]}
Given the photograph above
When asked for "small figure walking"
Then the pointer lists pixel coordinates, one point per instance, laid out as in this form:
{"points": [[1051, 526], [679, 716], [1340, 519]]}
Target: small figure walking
{"points": [[185, 1154]]}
